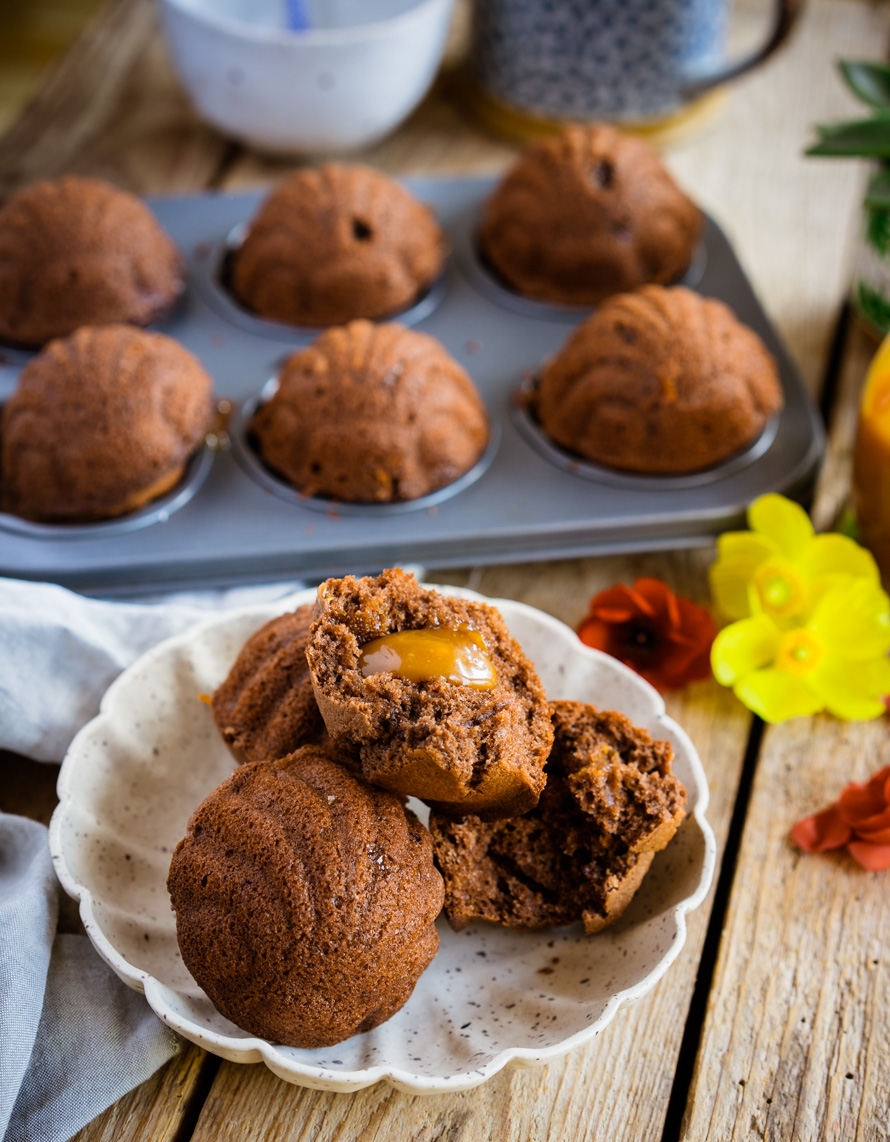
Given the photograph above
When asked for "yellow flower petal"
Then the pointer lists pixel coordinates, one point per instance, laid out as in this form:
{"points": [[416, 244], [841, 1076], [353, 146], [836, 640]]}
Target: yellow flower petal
{"points": [[739, 554], [743, 647], [837, 555], [730, 582], [775, 695], [746, 545], [782, 521], [852, 620], [852, 690]]}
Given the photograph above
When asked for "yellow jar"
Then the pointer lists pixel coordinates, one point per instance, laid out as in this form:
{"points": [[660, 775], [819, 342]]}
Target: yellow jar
{"points": [[871, 460]]}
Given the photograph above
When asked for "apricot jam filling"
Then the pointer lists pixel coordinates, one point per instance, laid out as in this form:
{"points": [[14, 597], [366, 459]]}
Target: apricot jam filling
{"points": [[459, 656]]}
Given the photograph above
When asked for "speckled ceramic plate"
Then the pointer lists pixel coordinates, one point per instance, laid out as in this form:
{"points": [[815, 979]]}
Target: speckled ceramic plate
{"points": [[491, 998]]}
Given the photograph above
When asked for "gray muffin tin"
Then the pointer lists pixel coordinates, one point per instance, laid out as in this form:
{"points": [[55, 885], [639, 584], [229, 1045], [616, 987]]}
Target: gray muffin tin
{"points": [[231, 521]]}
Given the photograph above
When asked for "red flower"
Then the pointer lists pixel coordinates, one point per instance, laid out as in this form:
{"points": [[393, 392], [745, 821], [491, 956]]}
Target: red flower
{"points": [[859, 819], [664, 637]]}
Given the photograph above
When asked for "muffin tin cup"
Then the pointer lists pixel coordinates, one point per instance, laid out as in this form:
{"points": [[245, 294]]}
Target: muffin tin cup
{"points": [[488, 282], [16, 354], [252, 464], [11, 354], [156, 511], [525, 499], [212, 274], [585, 469]]}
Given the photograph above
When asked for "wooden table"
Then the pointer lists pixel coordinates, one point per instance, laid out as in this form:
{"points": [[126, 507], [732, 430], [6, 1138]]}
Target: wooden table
{"points": [[775, 1021]]}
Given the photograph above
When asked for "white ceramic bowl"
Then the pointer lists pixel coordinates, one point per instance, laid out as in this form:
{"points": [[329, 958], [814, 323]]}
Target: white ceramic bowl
{"points": [[492, 997], [326, 89]]}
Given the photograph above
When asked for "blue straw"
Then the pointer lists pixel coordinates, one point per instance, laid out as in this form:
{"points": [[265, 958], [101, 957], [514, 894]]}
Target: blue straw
{"points": [[296, 15]]}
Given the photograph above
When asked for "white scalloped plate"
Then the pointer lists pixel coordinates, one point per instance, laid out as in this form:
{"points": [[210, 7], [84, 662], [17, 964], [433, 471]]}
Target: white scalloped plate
{"points": [[491, 998]]}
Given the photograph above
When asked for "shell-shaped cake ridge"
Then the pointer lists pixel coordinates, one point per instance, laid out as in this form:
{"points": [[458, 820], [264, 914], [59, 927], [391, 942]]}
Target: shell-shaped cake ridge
{"points": [[371, 413], [305, 900], [265, 708], [585, 214], [78, 251], [336, 243], [101, 422], [659, 381]]}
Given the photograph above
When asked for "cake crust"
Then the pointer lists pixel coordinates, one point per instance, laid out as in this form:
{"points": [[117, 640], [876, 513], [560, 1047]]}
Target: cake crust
{"points": [[265, 708], [371, 414], [336, 243], [585, 214], [100, 422], [659, 381], [78, 251], [305, 900]]}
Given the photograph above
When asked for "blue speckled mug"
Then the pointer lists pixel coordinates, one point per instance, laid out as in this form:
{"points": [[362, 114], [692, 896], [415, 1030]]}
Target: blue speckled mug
{"points": [[622, 60]]}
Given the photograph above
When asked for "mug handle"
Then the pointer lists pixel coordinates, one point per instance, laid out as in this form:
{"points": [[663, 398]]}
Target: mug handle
{"points": [[787, 12]]}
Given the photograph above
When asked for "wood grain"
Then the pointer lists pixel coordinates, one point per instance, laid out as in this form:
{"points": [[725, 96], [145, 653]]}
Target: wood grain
{"points": [[798, 1019]]}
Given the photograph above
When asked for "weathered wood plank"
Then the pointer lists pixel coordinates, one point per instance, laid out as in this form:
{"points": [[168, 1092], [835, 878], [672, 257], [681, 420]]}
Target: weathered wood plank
{"points": [[799, 1008], [798, 1019]]}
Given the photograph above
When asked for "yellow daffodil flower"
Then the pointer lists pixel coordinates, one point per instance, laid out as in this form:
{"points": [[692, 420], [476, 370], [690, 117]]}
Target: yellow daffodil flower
{"points": [[781, 568], [836, 660]]}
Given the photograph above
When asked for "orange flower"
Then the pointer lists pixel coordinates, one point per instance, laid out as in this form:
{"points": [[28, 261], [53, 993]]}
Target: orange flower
{"points": [[859, 819], [664, 637]]}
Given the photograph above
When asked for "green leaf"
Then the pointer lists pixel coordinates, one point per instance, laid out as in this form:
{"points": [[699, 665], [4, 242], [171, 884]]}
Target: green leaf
{"points": [[877, 229], [878, 193], [869, 82], [848, 524], [873, 306], [843, 126], [867, 138]]}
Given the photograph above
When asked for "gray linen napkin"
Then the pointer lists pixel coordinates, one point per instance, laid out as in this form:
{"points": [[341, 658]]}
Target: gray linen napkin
{"points": [[73, 1037], [59, 652]]}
